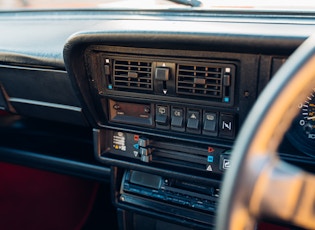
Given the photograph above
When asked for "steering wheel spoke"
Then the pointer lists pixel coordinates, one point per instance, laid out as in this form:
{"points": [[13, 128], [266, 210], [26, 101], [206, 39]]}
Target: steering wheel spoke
{"points": [[305, 210], [283, 192]]}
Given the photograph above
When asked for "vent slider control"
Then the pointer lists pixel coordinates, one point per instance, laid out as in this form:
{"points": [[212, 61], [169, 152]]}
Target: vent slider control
{"points": [[162, 74]]}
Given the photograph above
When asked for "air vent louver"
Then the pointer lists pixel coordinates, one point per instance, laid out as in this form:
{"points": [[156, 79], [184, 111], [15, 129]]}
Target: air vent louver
{"points": [[132, 75], [198, 80]]}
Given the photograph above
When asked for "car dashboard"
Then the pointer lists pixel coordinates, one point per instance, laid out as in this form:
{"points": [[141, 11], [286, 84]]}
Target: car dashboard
{"points": [[148, 101]]}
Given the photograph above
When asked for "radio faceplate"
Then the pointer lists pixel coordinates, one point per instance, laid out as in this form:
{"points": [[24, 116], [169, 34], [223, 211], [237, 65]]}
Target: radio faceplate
{"points": [[200, 197]]}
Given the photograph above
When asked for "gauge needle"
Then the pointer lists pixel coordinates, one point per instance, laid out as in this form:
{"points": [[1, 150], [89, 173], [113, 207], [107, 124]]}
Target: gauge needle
{"points": [[310, 118]]}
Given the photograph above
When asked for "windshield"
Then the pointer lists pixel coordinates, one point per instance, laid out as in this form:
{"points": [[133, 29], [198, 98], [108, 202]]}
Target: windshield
{"points": [[305, 5]]}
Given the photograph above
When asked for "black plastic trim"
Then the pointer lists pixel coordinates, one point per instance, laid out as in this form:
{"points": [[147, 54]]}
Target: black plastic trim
{"points": [[55, 164]]}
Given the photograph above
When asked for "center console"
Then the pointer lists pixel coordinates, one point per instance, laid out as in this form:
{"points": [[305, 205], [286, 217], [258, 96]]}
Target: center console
{"points": [[166, 120], [167, 126]]}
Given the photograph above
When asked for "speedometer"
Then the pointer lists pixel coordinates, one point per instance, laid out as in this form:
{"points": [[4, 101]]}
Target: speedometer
{"points": [[302, 132], [308, 117]]}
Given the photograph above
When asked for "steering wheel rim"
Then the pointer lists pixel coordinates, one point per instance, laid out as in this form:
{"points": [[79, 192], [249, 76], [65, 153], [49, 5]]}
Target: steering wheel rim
{"points": [[258, 182]]}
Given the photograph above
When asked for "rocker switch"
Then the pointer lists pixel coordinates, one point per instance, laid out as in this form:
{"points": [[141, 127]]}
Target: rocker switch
{"points": [[193, 120], [177, 119], [210, 121], [161, 117]]}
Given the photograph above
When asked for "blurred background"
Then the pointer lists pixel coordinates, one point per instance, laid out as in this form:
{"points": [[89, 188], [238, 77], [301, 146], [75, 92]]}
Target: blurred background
{"points": [[295, 5], [15, 4], [77, 4]]}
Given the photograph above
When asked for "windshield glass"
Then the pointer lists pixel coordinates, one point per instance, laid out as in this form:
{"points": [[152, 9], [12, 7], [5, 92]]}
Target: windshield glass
{"points": [[305, 5]]}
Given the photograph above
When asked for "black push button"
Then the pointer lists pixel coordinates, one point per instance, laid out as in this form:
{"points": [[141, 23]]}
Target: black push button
{"points": [[224, 162], [227, 126], [193, 121], [177, 119], [210, 122], [161, 117]]}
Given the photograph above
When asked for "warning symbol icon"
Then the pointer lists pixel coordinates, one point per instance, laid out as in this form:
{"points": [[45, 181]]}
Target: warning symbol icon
{"points": [[209, 168]]}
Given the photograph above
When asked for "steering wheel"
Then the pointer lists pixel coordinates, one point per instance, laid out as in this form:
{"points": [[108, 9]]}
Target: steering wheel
{"points": [[259, 185]]}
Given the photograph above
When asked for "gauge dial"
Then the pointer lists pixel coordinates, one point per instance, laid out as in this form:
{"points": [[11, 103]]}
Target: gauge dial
{"points": [[302, 131], [308, 116]]}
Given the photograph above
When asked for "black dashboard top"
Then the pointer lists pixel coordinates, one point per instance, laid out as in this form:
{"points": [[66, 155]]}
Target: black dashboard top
{"points": [[25, 35]]}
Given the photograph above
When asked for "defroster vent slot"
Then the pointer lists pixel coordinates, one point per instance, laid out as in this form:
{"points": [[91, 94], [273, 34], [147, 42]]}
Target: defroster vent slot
{"points": [[132, 75]]}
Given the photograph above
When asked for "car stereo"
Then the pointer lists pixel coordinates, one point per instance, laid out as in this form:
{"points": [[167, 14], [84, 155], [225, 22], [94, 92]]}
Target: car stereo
{"points": [[201, 197]]}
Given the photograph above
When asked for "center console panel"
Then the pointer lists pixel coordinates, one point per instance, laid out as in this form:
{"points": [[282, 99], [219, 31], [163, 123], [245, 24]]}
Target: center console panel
{"points": [[168, 123], [165, 123]]}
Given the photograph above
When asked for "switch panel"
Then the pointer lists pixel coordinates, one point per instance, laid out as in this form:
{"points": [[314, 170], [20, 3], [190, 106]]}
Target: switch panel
{"points": [[177, 118]]}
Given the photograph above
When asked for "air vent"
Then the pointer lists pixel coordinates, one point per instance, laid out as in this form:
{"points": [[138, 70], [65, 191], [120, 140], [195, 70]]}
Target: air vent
{"points": [[204, 80], [132, 75]]}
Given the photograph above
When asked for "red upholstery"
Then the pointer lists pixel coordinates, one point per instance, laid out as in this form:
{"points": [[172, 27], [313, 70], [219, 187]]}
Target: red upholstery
{"points": [[34, 199]]}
